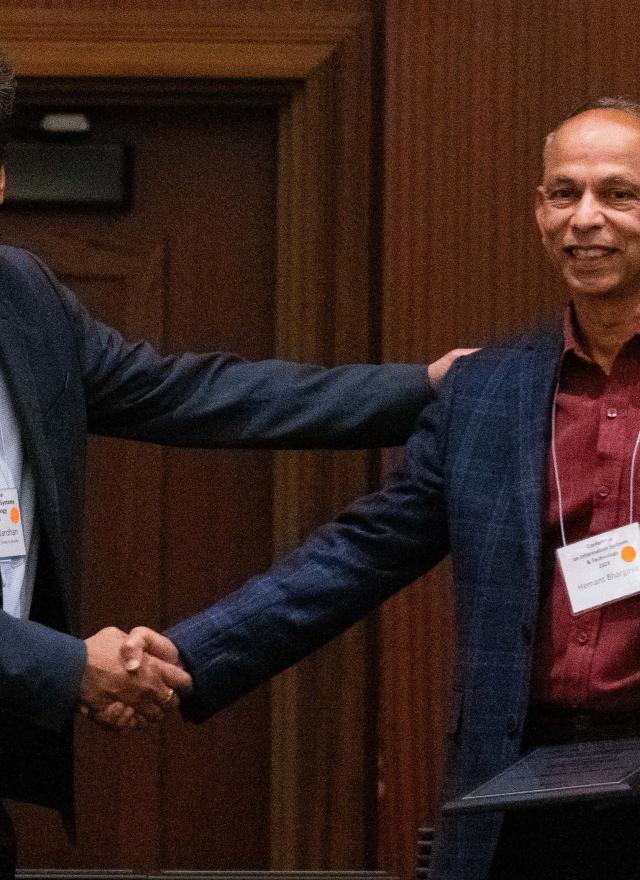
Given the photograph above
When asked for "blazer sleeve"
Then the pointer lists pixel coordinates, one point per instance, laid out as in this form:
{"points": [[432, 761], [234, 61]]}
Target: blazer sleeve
{"points": [[41, 671], [345, 569], [220, 400], [210, 400]]}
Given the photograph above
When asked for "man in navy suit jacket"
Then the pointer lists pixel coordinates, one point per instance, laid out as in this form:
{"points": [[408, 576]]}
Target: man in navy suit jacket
{"points": [[474, 482], [66, 374]]}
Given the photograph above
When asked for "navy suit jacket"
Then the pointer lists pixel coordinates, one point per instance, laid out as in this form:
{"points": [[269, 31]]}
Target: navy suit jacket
{"points": [[472, 483], [69, 374]]}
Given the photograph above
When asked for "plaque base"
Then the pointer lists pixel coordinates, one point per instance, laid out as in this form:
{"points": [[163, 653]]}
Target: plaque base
{"points": [[573, 773]]}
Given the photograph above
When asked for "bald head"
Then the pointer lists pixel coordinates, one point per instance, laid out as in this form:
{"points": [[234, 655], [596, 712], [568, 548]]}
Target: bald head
{"points": [[599, 132], [624, 106]]}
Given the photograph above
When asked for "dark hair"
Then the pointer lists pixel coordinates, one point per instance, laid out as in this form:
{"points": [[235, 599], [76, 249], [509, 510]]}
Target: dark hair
{"points": [[623, 105], [7, 96]]}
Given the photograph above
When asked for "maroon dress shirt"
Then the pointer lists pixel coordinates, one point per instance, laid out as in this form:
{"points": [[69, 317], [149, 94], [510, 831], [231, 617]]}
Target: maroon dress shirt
{"points": [[590, 660]]}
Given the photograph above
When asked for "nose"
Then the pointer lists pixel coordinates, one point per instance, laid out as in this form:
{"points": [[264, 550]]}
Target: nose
{"points": [[587, 213]]}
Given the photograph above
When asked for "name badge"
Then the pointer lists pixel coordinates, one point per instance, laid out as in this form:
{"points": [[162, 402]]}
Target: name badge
{"points": [[11, 534], [602, 569]]}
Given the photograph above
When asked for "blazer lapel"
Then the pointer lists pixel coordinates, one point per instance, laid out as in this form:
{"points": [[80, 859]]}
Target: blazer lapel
{"points": [[536, 385], [18, 370]]}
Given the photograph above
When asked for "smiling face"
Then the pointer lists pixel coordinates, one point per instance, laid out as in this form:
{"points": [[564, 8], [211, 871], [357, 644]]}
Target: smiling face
{"points": [[588, 206]]}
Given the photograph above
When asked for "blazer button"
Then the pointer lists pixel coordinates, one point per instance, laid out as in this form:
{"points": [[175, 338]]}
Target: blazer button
{"points": [[512, 725]]}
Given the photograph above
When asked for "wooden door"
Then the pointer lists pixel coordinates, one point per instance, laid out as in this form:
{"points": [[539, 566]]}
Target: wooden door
{"points": [[190, 266]]}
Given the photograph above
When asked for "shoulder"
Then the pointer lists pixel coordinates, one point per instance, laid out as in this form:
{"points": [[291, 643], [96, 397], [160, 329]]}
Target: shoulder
{"points": [[484, 385], [21, 270], [501, 361], [18, 260], [29, 290]]}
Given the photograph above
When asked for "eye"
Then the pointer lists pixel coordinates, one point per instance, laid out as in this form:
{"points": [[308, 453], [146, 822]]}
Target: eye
{"points": [[618, 195], [562, 195]]}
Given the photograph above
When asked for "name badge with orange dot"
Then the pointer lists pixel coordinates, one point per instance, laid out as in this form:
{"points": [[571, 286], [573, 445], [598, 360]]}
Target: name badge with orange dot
{"points": [[11, 534], [602, 569]]}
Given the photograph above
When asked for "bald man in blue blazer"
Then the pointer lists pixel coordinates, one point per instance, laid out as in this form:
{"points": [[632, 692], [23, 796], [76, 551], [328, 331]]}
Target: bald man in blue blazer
{"points": [[474, 483]]}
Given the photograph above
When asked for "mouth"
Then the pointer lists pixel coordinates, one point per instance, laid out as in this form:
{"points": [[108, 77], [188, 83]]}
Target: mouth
{"points": [[589, 253]]}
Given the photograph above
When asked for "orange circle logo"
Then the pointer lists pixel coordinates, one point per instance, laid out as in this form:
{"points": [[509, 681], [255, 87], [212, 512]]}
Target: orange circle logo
{"points": [[628, 553]]}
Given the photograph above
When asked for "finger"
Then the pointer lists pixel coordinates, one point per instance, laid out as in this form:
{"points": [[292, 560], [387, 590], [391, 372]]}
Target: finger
{"points": [[141, 638], [99, 719], [176, 678], [170, 702], [111, 715], [123, 722], [167, 701], [137, 722], [156, 644], [150, 711], [83, 709]]}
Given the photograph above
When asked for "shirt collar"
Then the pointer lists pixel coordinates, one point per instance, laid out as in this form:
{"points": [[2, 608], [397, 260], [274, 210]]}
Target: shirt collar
{"points": [[572, 341], [571, 336]]}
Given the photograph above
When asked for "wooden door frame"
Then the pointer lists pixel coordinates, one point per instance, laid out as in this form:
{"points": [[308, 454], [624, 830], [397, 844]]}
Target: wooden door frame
{"points": [[317, 68]]}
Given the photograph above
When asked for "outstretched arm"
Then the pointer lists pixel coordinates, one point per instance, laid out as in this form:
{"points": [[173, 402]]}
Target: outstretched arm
{"points": [[345, 569], [220, 400]]}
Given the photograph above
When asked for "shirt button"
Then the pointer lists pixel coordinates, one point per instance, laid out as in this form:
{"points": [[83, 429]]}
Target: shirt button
{"points": [[603, 491], [583, 637], [612, 412]]}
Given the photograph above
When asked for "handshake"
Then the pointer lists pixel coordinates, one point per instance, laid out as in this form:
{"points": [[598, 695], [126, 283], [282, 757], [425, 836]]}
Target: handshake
{"points": [[131, 681]]}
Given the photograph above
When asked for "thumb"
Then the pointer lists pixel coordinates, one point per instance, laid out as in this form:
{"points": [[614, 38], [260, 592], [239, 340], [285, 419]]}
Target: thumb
{"points": [[143, 639], [132, 650]]}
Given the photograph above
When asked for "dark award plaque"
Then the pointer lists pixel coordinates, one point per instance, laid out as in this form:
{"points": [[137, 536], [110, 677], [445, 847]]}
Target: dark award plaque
{"points": [[575, 773]]}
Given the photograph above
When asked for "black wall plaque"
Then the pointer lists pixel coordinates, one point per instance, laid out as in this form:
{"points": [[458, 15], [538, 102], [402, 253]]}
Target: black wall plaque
{"points": [[41, 174]]}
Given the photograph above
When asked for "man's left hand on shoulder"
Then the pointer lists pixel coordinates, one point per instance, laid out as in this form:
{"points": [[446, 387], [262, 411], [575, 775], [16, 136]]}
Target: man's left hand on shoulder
{"points": [[439, 369]]}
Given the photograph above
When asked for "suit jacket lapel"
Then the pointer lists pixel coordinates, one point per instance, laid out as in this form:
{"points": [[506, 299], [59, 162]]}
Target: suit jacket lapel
{"points": [[19, 374], [536, 385]]}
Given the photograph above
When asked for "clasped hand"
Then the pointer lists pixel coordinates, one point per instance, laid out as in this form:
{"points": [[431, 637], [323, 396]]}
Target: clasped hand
{"points": [[131, 680]]}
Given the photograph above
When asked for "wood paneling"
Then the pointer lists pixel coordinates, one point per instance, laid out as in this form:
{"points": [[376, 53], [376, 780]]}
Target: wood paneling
{"points": [[230, 46], [315, 58], [250, 9], [162, 527], [323, 795], [472, 88]]}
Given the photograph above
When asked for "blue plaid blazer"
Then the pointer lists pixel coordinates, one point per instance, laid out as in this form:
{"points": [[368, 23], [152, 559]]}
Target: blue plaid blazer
{"points": [[472, 483]]}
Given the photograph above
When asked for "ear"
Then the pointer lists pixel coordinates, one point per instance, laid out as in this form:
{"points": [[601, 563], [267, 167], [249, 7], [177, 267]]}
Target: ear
{"points": [[3, 182]]}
